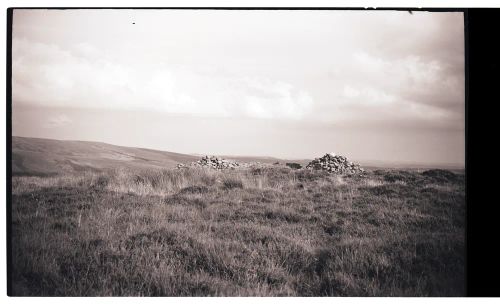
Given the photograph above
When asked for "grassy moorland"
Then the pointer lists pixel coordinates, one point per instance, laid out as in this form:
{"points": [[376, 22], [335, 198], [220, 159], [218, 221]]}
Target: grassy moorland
{"points": [[256, 232]]}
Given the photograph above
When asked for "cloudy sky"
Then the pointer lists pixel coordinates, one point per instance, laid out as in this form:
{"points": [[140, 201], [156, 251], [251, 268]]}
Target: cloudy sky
{"points": [[382, 85]]}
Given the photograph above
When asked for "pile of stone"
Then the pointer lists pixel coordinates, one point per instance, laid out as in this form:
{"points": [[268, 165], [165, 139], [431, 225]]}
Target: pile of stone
{"points": [[211, 162], [335, 164]]}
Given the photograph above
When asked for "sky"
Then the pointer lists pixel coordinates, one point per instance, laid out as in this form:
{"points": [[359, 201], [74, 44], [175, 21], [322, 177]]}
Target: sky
{"points": [[370, 85]]}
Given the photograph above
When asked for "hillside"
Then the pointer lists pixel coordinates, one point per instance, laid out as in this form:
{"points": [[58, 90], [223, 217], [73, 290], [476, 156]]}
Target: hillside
{"points": [[35, 156], [46, 156]]}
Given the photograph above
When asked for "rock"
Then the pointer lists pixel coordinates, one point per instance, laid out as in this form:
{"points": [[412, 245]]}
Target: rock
{"points": [[218, 163], [211, 162], [335, 164]]}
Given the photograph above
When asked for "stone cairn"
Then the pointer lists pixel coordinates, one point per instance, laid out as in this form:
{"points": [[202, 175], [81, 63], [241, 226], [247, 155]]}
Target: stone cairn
{"points": [[334, 164], [212, 162]]}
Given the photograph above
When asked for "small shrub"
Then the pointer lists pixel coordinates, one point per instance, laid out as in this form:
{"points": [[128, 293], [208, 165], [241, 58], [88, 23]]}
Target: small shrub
{"points": [[294, 165], [392, 190], [139, 179], [194, 190], [102, 181], [440, 175], [309, 175], [230, 183], [257, 171], [404, 176]]}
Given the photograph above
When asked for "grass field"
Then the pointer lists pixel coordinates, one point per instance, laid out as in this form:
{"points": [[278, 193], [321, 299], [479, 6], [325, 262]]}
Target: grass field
{"points": [[256, 232]]}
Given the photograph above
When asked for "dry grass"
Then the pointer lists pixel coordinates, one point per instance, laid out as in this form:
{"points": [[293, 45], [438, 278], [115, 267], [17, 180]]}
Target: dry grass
{"points": [[260, 232]]}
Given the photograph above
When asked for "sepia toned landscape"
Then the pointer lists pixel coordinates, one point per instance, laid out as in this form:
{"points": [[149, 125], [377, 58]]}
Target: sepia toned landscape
{"points": [[262, 230], [202, 152]]}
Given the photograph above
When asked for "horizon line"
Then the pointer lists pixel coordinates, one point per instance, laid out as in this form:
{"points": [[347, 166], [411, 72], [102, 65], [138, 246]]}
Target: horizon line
{"points": [[365, 161]]}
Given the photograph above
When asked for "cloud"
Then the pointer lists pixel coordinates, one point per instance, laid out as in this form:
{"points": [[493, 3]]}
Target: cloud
{"points": [[268, 99], [367, 96], [334, 67], [58, 121], [52, 76], [411, 89]]}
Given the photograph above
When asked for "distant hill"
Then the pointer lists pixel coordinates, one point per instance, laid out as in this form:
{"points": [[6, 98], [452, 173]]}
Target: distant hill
{"points": [[45, 156], [375, 164], [35, 156]]}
